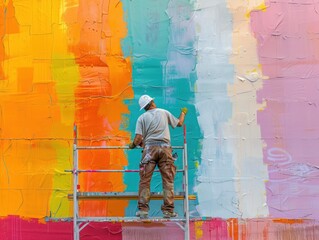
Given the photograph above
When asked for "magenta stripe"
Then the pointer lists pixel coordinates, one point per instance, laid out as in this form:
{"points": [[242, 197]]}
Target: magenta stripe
{"points": [[288, 49], [15, 228]]}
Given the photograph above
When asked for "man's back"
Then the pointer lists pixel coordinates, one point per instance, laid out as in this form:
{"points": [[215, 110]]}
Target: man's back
{"points": [[153, 126]]}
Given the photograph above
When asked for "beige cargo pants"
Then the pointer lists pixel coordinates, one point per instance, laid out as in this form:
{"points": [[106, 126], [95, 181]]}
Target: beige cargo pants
{"points": [[162, 157]]}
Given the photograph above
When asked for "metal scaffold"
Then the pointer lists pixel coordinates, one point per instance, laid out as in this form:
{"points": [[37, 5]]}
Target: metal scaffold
{"points": [[80, 222]]}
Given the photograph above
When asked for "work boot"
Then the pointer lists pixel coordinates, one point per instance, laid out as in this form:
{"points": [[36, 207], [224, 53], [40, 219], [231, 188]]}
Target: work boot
{"points": [[142, 214], [167, 214]]}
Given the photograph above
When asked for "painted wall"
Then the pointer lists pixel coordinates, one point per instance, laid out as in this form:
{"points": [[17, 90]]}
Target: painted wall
{"points": [[247, 70]]}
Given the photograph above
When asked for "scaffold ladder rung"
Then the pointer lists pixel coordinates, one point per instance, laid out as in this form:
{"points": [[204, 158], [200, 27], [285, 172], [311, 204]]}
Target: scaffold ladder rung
{"points": [[129, 219], [124, 219], [126, 195], [111, 171]]}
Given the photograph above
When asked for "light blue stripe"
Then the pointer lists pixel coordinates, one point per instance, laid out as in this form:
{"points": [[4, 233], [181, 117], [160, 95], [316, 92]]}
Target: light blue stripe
{"points": [[216, 188]]}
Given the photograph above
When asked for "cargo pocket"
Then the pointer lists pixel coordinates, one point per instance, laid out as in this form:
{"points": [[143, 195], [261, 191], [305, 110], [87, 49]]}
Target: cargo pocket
{"points": [[169, 171]]}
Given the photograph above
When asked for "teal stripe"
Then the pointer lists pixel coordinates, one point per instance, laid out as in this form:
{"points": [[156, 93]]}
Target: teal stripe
{"points": [[160, 44]]}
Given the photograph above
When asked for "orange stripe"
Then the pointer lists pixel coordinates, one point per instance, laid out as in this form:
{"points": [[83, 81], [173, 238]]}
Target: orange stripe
{"points": [[289, 221], [29, 110], [233, 228], [105, 77], [9, 25]]}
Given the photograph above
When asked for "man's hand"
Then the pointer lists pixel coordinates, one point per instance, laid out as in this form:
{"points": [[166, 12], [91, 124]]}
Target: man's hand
{"points": [[138, 140], [182, 116], [131, 145], [184, 110]]}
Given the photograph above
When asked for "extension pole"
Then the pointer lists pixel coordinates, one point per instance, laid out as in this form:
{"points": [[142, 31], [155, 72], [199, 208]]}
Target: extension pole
{"points": [[76, 230], [186, 203]]}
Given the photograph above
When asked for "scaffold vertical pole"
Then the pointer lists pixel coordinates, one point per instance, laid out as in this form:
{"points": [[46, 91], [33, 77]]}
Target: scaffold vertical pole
{"points": [[76, 230], [185, 180]]}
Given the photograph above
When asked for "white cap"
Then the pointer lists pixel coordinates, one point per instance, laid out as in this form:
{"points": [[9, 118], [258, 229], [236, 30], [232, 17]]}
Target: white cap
{"points": [[144, 100]]}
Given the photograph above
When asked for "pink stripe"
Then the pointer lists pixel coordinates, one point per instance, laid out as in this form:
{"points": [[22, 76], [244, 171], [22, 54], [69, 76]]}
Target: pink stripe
{"points": [[288, 48], [216, 229], [15, 228]]}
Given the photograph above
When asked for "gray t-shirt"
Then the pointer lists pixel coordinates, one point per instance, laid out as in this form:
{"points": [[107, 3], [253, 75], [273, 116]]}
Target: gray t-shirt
{"points": [[153, 126]]}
